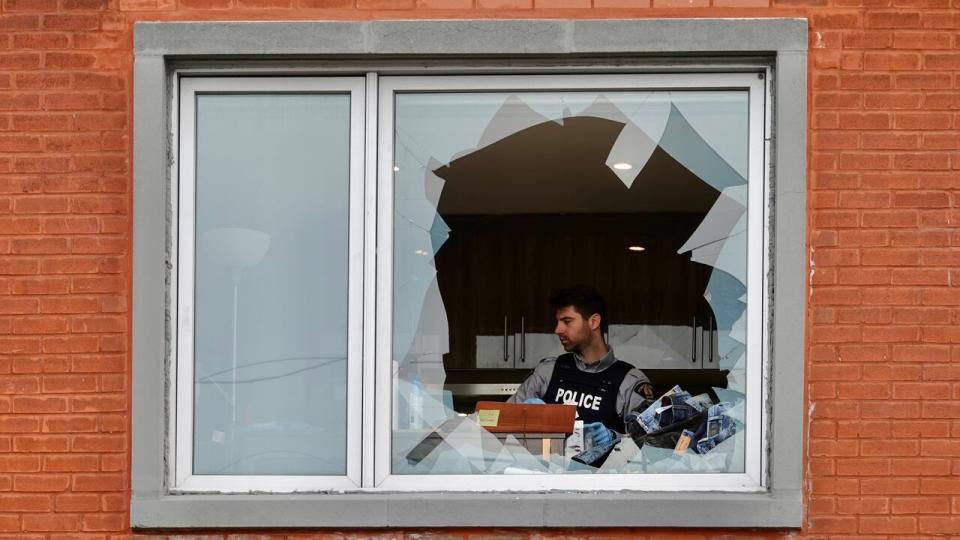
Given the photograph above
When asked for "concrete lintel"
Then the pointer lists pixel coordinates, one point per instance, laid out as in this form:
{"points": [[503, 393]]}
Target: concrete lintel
{"points": [[470, 37]]}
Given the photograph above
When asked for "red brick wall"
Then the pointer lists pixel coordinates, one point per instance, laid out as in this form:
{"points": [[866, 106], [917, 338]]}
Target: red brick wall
{"points": [[883, 357]]}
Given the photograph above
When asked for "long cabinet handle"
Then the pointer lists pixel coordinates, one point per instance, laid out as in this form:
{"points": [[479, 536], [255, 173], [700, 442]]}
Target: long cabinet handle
{"points": [[693, 341], [505, 352], [710, 337], [523, 339]]}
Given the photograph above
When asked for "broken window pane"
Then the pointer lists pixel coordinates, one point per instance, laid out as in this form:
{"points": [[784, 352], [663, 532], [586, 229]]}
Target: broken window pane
{"points": [[502, 198]]}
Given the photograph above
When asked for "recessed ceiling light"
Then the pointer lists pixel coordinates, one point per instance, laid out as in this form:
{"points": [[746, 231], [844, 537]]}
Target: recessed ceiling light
{"points": [[396, 169], [637, 248], [622, 166], [420, 252]]}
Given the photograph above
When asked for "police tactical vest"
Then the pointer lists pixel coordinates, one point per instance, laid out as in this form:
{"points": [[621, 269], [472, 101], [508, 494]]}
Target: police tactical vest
{"points": [[594, 394]]}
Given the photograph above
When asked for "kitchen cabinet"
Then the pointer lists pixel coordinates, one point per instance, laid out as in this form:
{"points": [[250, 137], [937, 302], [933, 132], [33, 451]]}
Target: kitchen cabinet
{"points": [[515, 351], [496, 273]]}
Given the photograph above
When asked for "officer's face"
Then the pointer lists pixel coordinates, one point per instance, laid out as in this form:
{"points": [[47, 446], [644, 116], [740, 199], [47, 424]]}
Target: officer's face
{"points": [[574, 331]]}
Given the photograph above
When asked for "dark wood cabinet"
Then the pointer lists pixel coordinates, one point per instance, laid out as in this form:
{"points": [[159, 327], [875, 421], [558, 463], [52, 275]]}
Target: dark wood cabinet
{"points": [[497, 266]]}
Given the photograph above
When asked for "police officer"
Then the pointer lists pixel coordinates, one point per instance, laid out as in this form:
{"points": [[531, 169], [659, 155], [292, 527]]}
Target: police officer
{"points": [[588, 375]]}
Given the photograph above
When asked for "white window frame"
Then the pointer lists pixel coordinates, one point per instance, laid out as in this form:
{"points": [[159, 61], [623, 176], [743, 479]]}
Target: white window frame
{"points": [[184, 216], [752, 479], [378, 403]]}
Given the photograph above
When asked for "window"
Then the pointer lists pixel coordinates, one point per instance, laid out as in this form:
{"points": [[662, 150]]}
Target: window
{"points": [[362, 259]]}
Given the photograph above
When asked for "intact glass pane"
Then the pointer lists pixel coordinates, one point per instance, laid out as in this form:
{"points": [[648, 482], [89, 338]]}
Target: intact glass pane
{"points": [[270, 346], [501, 200]]}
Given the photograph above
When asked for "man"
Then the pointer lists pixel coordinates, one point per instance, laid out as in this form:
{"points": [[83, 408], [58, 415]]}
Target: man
{"points": [[603, 388]]}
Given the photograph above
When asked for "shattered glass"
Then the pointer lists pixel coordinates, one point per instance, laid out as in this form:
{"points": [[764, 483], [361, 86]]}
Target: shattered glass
{"points": [[705, 132]]}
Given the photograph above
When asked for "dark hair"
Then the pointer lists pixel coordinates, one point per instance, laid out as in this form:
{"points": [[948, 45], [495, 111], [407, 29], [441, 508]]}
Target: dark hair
{"points": [[584, 299]]}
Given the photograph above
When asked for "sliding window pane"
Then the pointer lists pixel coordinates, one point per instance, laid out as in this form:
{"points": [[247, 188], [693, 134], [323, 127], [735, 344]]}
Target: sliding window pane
{"points": [[270, 340], [503, 198]]}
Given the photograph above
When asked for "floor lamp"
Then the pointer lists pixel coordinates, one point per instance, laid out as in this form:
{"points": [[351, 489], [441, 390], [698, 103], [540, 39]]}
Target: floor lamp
{"points": [[237, 249]]}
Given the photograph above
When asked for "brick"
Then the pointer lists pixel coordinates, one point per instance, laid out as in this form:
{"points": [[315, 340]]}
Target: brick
{"points": [[891, 334], [71, 463], [836, 334], [97, 284], [866, 315], [71, 344], [863, 237], [822, 21], [84, 5], [892, 19], [39, 285], [899, 372], [97, 364], [41, 205], [864, 199], [19, 424], [863, 505], [945, 141], [920, 276], [940, 410], [98, 403], [941, 297], [40, 482], [443, 4], [940, 486], [888, 525], [832, 524], [836, 296], [45, 443], [73, 23], [864, 121], [19, 463], [33, 404], [70, 225], [922, 121], [839, 100], [864, 161], [920, 505], [50, 522], [835, 218], [890, 486], [890, 141], [25, 502], [861, 390], [44, 364], [890, 61], [921, 40], [940, 525], [70, 424], [920, 467], [892, 409], [884, 448], [863, 276], [98, 482], [865, 81], [77, 502], [939, 81], [64, 384], [75, 304], [104, 522], [42, 122], [863, 467]]}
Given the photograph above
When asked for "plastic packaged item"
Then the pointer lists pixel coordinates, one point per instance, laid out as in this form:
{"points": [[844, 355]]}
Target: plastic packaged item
{"points": [[415, 408], [574, 443]]}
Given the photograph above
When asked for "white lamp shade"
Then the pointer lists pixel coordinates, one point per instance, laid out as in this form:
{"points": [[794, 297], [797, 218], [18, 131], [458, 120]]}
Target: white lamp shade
{"points": [[236, 247]]}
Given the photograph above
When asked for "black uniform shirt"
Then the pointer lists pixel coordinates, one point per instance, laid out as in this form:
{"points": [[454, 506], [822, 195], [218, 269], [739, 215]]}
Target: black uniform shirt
{"points": [[633, 390]]}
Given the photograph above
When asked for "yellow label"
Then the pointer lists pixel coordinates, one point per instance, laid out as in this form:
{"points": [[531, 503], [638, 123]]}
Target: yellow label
{"points": [[489, 417], [682, 444]]}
